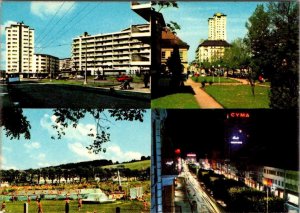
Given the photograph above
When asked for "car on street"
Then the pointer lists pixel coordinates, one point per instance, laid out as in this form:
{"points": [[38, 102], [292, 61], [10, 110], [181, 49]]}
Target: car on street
{"points": [[123, 78], [78, 77]]}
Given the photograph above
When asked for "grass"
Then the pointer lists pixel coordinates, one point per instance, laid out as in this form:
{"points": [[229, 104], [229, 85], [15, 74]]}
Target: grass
{"points": [[239, 96], [134, 165], [216, 79], [50, 206], [175, 101]]}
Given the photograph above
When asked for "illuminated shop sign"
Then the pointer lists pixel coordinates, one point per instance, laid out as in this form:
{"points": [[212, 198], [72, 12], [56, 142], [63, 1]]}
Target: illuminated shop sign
{"points": [[238, 115]]}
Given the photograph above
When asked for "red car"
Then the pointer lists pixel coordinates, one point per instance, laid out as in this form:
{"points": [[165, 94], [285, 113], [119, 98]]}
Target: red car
{"points": [[123, 78]]}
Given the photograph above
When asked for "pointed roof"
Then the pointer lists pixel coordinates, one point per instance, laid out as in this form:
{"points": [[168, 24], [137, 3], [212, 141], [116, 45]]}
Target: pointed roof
{"points": [[169, 40]]}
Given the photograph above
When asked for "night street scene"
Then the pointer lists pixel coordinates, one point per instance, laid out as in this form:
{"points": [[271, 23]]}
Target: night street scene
{"points": [[75, 54], [225, 161]]}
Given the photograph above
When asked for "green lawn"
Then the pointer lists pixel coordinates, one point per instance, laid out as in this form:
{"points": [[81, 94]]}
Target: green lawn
{"points": [[215, 79], [50, 206], [239, 96], [175, 101], [134, 165]]}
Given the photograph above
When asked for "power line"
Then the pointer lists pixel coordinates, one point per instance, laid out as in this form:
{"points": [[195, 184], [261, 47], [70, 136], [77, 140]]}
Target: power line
{"points": [[49, 23], [52, 39], [85, 15], [59, 20]]}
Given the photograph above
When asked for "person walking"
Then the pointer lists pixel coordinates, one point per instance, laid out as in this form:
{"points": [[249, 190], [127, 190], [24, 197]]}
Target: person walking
{"points": [[79, 204], [146, 79], [39, 204], [3, 206], [67, 206]]}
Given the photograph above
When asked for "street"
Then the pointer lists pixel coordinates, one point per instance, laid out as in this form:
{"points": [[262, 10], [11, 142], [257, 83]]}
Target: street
{"points": [[204, 202], [35, 95]]}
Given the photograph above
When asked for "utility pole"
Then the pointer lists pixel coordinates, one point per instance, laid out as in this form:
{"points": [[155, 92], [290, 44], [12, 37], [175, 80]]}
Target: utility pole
{"points": [[85, 80]]}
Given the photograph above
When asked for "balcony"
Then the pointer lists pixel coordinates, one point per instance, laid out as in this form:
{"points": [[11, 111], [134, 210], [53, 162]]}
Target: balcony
{"points": [[139, 33], [142, 9]]}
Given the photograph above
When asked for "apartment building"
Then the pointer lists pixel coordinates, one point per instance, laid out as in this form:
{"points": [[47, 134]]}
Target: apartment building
{"points": [[112, 53], [282, 183], [45, 65], [20, 49], [169, 40], [214, 47], [217, 27], [211, 50], [65, 65]]}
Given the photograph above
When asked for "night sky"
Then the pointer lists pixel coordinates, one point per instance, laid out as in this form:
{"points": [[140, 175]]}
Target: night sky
{"points": [[270, 137]]}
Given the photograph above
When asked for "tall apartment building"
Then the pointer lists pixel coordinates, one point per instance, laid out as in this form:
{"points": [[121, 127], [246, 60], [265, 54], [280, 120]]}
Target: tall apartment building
{"points": [[20, 49], [217, 27], [112, 53], [45, 65], [214, 47]]}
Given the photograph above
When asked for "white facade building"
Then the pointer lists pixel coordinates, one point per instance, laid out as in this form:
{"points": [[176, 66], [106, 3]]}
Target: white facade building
{"points": [[112, 53], [45, 65], [217, 27], [20, 49]]}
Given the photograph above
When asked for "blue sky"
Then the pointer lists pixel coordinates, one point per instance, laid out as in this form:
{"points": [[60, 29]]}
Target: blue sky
{"points": [[129, 140], [57, 23], [193, 16]]}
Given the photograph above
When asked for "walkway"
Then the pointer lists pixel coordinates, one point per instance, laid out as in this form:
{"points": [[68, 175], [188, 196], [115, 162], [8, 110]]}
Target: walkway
{"points": [[204, 100]]}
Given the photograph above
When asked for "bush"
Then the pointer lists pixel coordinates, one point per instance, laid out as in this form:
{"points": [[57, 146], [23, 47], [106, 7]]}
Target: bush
{"points": [[210, 82]]}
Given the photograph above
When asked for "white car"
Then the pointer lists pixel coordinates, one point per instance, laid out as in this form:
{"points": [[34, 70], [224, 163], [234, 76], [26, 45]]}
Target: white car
{"points": [[79, 77]]}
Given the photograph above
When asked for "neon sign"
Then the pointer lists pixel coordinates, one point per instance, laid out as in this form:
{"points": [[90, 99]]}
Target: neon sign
{"points": [[236, 142], [239, 115]]}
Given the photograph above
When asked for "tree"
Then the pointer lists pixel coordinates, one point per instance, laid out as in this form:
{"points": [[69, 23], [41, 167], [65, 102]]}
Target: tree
{"points": [[285, 54], [175, 67], [258, 39], [164, 4], [273, 38]]}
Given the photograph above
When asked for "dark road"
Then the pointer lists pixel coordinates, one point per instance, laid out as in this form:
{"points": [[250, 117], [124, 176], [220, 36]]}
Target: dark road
{"points": [[32, 95]]}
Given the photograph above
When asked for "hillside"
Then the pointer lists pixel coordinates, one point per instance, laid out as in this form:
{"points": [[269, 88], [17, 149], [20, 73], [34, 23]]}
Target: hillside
{"points": [[140, 165]]}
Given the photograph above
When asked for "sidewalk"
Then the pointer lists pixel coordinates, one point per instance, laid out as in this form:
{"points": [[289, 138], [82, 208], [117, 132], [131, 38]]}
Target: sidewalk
{"points": [[204, 100], [181, 198]]}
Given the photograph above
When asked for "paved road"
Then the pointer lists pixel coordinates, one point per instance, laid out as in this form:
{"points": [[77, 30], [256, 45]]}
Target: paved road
{"points": [[204, 100], [34, 95], [204, 203]]}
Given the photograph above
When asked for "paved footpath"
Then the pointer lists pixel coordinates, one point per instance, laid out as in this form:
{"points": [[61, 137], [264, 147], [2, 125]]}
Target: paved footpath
{"points": [[204, 100]]}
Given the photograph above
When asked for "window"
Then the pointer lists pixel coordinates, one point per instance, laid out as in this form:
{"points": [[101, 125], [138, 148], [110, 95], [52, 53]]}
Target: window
{"points": [[181, 54], [163, 54]]}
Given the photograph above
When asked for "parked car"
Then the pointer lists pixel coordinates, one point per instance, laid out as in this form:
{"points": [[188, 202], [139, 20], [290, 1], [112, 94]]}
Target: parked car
{"points": [[123, 78], [79, 77]]}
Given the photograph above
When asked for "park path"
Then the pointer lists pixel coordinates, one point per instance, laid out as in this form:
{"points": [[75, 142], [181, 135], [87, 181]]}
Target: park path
{"points": [[204, 100]]}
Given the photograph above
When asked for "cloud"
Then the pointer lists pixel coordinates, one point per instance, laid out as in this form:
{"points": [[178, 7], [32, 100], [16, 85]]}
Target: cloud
{"points": [[4, 165], [115, 153], [40, 156], [6, 24], [46, 9], [6, 149], [82, 152], [32, 145], [78, 134]]}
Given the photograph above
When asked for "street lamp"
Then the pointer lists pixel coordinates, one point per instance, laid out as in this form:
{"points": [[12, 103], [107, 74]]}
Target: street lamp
{"points": [[219, 72], [85, 81], [213, 72]]}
